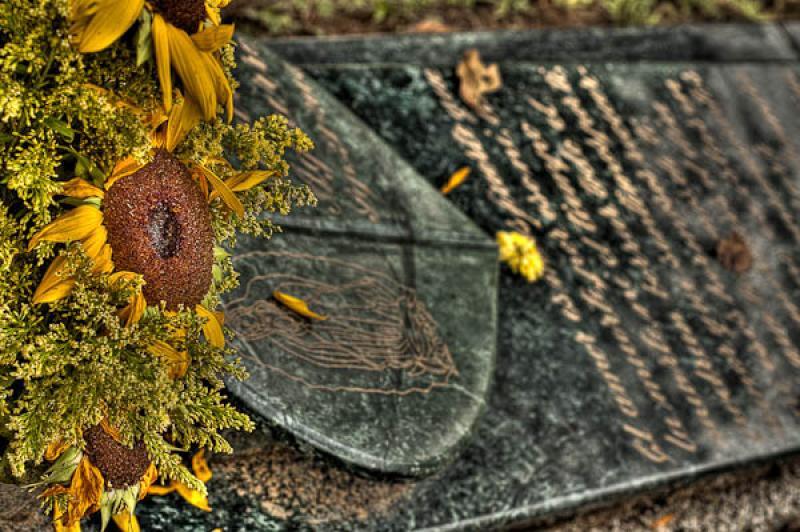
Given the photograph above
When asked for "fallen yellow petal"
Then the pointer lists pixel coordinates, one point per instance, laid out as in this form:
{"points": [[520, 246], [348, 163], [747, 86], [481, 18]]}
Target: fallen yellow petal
{"points": [[212, 329], [297, 305], [81, 189], [127, 522], [456, 179], [76, 224], [200, 467]]}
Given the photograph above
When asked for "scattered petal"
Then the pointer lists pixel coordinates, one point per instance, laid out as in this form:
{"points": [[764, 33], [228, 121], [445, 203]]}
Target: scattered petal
{"points": [[297, 306], [456, 179]]}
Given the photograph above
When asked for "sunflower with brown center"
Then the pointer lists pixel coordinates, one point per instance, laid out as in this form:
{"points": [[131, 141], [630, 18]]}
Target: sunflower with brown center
{"points": [[186, 36], [108, 477], [152, 222]]}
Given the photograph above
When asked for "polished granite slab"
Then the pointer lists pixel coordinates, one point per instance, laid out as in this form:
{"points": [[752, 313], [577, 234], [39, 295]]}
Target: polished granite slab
{"points": [[639, 361]]}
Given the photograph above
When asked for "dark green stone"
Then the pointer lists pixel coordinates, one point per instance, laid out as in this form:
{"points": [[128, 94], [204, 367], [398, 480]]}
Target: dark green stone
{"points": [[395, 378], [706, 143]]}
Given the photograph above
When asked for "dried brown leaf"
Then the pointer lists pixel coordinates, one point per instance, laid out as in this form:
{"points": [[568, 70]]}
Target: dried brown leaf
{"points": [[477, 79]]}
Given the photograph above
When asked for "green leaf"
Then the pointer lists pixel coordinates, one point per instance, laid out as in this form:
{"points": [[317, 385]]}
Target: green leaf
{"points": [[61, 128], [144, 38]]}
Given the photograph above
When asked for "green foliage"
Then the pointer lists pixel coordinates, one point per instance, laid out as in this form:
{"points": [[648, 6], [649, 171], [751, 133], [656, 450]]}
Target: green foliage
{"points": [[67, 365]]}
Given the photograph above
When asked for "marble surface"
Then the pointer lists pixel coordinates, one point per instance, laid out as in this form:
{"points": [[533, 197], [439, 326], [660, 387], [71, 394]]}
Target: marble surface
{"points": [[639, 361]]}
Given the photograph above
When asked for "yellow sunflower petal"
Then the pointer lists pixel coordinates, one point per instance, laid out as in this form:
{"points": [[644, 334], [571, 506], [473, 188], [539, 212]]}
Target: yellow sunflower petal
{"points": [[160, 490], [193, 497], [182, 119], [127, 522], [110, 21], [55, 449], [244, 181], [123, 168], [59, 520], [456, 179], [86, 491], [76, 224], [163, 60], [81, 189], [200, 467], [223, 191], [55, 285], [212, 329], [297, 305], [149, 477], [178, 361], [213, 38], [110, 430], [103, 262], [135, 310], [222, 88], [191, 66]]}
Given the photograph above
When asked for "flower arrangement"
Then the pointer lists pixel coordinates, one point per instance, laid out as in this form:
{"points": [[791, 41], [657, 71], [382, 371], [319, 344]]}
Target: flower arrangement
{"points": [[122, 184]]}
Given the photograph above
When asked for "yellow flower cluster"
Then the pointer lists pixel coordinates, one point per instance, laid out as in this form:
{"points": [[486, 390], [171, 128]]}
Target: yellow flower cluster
{"points": [[521, 254]]}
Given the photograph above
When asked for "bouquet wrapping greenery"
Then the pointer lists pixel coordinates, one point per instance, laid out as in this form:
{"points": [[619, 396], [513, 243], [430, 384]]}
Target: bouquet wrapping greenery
{"points": [[123, 183]]}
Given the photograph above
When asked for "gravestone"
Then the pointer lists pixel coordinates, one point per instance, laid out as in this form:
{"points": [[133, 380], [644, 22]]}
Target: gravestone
{"points": [[395, 377], [639, 361]]}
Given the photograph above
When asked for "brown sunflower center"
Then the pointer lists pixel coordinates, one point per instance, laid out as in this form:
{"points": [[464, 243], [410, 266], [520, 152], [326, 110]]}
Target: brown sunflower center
{"points": [[121, 467], [184, 14], [159, 226], [165, 231]]}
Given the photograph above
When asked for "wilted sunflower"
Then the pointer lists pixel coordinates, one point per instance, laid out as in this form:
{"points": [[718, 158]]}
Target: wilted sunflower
{"points": [[181, 39], [105, 475], [150, 220]]}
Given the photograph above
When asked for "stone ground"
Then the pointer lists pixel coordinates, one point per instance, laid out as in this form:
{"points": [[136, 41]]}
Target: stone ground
{"points": [[760, 499]]}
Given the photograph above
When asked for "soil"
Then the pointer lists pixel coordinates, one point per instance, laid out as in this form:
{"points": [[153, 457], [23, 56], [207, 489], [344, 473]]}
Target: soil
{"points": [[249, 14]]}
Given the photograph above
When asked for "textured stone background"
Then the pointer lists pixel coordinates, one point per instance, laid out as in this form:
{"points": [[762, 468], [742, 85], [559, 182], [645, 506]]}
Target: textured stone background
{"points": [[764, 498]]}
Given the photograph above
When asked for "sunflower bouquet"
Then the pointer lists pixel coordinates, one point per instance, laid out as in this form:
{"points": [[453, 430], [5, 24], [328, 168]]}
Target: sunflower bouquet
{"points": [[123, 185]]}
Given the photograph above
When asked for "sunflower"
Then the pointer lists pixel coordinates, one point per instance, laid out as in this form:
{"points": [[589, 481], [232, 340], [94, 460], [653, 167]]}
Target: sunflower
{"points": [[150, 223], [186, 37], [106, 476]]}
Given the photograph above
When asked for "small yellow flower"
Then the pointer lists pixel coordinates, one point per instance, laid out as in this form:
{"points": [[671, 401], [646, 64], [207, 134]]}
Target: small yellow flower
{"points": [[521, 255]]}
